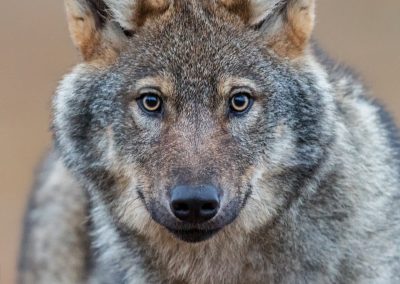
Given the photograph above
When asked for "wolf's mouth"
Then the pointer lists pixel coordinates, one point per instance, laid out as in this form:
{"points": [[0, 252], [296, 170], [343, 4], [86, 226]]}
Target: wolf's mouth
{"points": [[194, 232], [194, 236]]}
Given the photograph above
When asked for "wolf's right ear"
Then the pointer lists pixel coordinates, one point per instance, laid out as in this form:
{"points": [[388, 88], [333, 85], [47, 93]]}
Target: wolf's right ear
{"points": [[99, 28]]}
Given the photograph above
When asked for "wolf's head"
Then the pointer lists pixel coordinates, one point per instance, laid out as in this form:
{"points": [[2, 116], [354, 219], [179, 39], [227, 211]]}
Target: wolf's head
{"points": [[193, 116]]}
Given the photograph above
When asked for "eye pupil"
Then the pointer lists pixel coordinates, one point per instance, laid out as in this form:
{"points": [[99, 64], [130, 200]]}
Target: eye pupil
{"points": [[151, 102], [240, 102]]}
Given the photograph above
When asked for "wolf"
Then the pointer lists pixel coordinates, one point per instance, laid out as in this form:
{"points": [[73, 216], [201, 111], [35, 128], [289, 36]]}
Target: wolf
{"points": [[212, 141]]}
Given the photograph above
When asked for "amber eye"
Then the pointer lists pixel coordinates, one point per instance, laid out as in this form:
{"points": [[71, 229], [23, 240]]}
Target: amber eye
{"points": [[240, 101], [150, 101]]}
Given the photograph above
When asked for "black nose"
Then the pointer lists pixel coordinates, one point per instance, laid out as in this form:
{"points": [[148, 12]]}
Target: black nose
{"points": [[194, 204]]}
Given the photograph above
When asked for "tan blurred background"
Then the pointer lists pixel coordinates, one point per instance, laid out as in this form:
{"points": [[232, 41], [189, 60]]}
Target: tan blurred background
{"points": [[35, 51]]}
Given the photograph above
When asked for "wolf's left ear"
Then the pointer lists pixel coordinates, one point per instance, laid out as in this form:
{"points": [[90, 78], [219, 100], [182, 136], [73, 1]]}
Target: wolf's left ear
{"points": [[99, 28], [286, 24]]}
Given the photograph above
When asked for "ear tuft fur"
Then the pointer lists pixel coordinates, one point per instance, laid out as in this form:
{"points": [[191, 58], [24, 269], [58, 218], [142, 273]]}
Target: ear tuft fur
{"points": [[149, 8], [251, 11], [85, 18], [286, 24], [291, 36], [99, 27], [131, 14]]}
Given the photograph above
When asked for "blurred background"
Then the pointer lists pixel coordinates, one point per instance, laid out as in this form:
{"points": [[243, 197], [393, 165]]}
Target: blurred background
{"points": [[35, 51]]}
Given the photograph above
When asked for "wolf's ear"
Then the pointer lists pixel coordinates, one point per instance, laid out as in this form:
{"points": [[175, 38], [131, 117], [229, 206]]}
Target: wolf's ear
{"points": [[99, 28], [286, 24]]}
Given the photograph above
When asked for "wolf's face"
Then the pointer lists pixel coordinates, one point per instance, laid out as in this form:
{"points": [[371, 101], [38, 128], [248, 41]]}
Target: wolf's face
{"points": [[195, 120]]}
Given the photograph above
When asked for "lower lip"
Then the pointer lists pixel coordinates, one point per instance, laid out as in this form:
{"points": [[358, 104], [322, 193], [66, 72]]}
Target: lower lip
{"points": [[193, 236]]}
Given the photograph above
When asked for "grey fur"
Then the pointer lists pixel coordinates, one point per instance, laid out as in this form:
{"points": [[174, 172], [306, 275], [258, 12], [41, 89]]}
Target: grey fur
{"points": [[310, 175]]}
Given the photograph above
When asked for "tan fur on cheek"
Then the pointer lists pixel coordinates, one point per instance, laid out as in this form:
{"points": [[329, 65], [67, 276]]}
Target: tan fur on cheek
{"points": [[260, 207], [132, 210], [264, 199]]}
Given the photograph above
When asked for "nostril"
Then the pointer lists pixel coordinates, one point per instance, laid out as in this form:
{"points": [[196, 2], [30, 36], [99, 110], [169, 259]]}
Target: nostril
{"points": [[181, 207], [209, 206]]}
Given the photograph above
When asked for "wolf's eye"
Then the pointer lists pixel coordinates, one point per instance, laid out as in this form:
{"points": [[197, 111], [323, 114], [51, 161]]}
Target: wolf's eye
{"points": [[240, 101], [150, 101]]}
